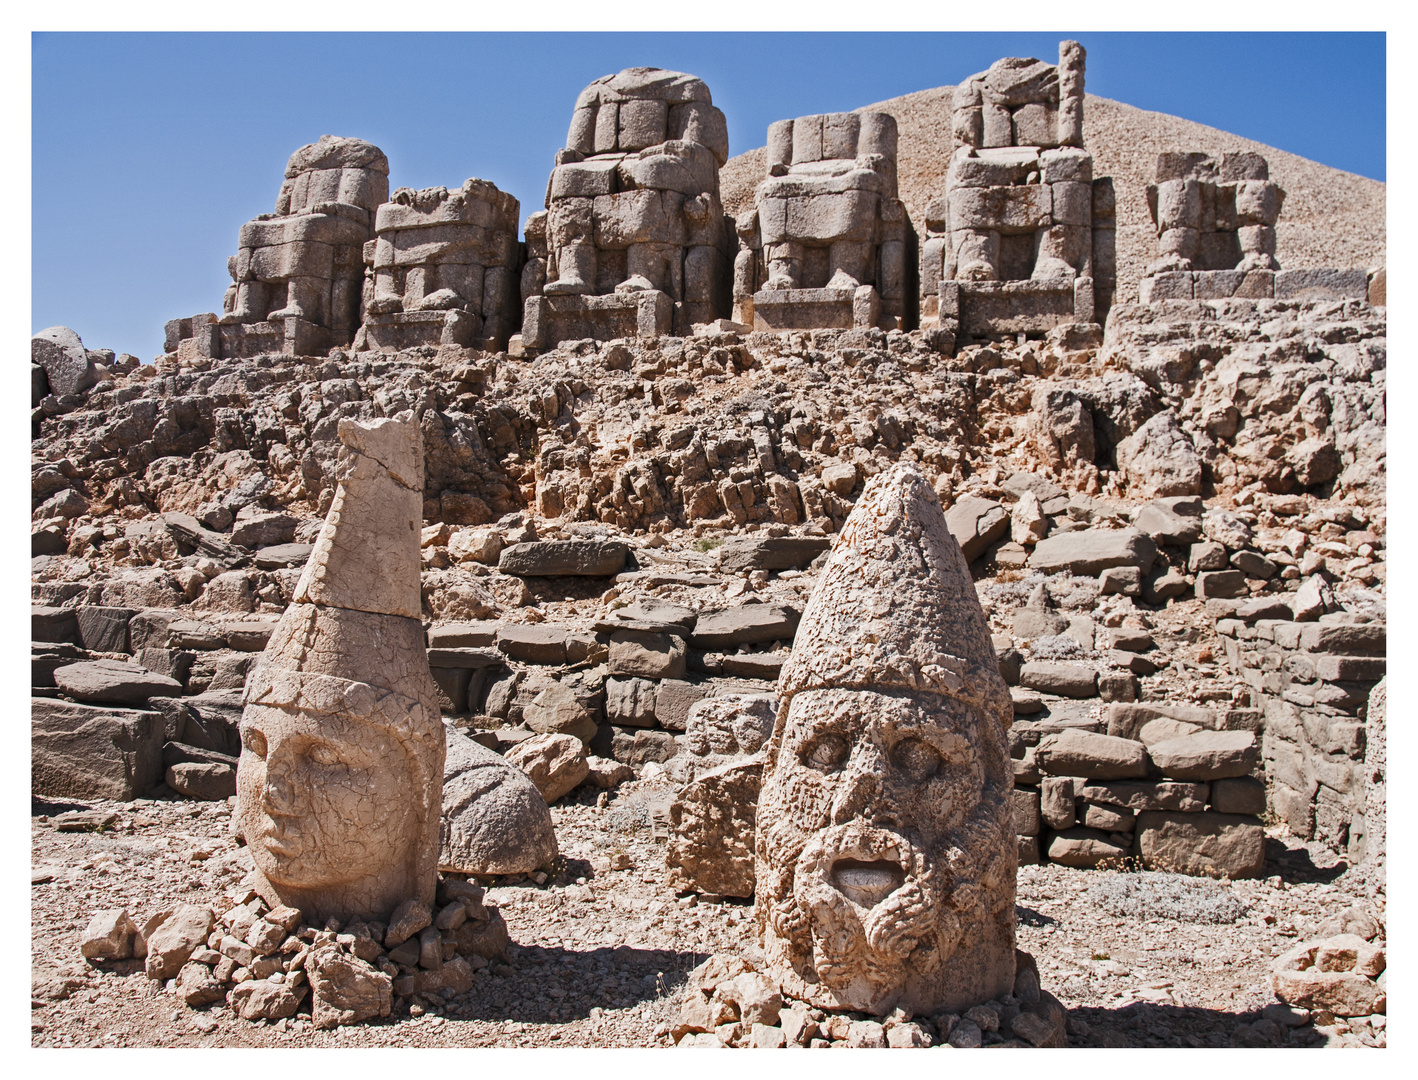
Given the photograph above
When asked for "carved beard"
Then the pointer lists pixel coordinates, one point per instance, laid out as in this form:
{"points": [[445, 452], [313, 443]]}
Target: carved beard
{"points": [[871, 900]]}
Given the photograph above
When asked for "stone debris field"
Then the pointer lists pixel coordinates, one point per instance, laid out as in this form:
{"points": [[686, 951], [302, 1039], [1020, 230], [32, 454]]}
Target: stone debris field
{"points": [[416, 640]]}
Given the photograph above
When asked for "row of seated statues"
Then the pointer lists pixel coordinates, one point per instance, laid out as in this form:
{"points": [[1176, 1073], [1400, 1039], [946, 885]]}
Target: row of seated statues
{"points": [[634, 240]]}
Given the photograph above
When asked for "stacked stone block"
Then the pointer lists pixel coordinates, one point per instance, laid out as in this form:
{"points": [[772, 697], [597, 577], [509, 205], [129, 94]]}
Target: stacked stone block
{"points": [[298, 273], [1011, 248], [1174, 788], [636, 241], [444, 269], [826, 242], [1313, 681]]}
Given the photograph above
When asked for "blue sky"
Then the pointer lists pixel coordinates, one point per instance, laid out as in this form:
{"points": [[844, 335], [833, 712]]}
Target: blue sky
{"points": [[151, 149]]}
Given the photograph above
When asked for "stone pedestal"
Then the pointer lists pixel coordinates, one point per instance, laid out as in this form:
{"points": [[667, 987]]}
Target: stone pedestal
{"points": [[547, 320]]}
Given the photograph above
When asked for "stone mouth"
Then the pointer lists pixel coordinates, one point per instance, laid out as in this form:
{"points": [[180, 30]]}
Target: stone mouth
{"points": [[867, 883]]}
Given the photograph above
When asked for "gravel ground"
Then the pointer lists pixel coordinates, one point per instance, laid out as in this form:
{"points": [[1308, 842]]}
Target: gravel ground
{"points": [[599, 954]]}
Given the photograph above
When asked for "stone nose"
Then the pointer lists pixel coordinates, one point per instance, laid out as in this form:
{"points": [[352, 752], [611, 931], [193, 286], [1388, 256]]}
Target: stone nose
{"points": [[278, 792], [858, 792]]}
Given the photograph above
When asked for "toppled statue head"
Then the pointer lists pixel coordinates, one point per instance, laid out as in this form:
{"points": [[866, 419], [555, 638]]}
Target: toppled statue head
{"points": [[340, 781], [886, 851]]}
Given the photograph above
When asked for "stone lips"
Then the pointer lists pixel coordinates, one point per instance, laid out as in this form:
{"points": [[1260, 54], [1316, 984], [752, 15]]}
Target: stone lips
{"points": [[896, 607]]}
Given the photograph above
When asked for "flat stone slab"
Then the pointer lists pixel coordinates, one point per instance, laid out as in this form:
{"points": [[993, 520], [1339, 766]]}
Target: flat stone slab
{"points": [[112, 681], [564, 558], [771, 552], [1207, 755], [463, 635], [534, 644], [1089, 552], [93, 752], [1066, 680], [283, 556], [1087, 753], [748, 624]]}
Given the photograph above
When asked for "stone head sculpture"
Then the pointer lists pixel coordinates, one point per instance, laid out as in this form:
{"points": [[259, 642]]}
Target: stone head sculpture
{"points": [[886, 851], [340, 782]]}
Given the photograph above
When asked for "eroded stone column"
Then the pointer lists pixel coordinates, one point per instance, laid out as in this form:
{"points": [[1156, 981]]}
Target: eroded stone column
{"points": [[341, 775], [886, 852]]}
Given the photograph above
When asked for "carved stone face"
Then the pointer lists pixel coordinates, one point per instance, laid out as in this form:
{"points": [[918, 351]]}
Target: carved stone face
{"points": [[865, 817], [321, 798]]}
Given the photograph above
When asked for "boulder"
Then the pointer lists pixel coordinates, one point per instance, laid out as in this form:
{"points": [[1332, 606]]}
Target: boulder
{"points": [[172, 943], [109, 936], [976, 523], [712, 822], [495, 821], [346, 989], [1088, 552], [770, 552], [540, 643], [64, 359], [113, 681], [93, 752], [1206, 755], [1159, 459], [1066, 680], [1206, 844], [748, 624], [1087, 849], [103, 629], [646, 654], [555, 763], [263, 529], [257, 999], [631, 702], [1086, 753], [209, 781], [558, 558]]}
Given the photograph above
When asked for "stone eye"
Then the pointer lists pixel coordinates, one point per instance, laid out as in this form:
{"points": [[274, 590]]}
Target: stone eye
{"points": [[254, 741], [826, 753], [323, 755], [917, 758]]}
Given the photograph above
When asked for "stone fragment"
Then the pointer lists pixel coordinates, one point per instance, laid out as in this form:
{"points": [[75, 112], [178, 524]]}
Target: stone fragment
{"points": [[651, 655], [1147, 795], [1087, 849], [65, 361], [407, 920], [558, 558], [533, 643], [94, 752], [748, 624], [555, 763], [558, 711], [1206, 755], [892, 687], [1056, 802], [172, 943], [606, 773], [1088, 552], [1335, 975], [1067, 680], [1206, 844], [770, 552], [1159, 459], [345, 989], [113, 681], [495, 821], [208, 781], [1175, 521], [712, 822], [342, 743], [197, 986], [976, 523], [1086, 753], [1236, 795], [258, 999], [109, 936]]}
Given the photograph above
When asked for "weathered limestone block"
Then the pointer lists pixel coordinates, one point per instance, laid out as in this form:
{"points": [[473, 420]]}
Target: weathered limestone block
{"points": [[1018, 237], [495, 821], [712, 828], [1212, 216], [555, 763], [93, 752], [1206, 844], [298, 273], [1336, 974], [632, 209], [892, 708], [341, 770], [826, 241], [444, 269]]}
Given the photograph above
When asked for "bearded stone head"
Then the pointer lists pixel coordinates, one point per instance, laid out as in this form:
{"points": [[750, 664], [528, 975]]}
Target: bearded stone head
{"points": [[886, 850]]}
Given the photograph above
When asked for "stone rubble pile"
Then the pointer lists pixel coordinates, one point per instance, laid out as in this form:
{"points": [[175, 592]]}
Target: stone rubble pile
{"points": [[730, 1002], [264, 963]]}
